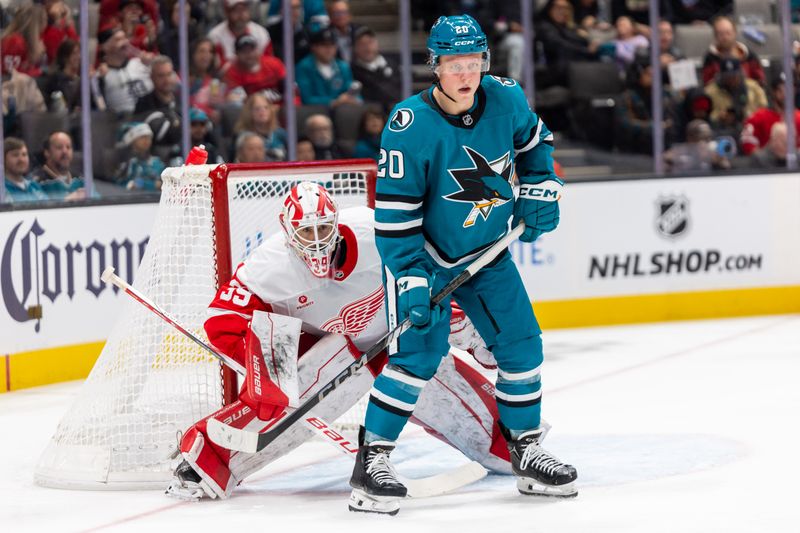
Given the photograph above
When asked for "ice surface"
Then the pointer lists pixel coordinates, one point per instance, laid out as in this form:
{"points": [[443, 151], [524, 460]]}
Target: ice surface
{"points": [[676, 427]]}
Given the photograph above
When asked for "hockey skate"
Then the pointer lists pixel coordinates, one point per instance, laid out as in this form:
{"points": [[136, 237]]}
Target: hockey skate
{"points": [[186, 485], [539, 472], [374, 481]]}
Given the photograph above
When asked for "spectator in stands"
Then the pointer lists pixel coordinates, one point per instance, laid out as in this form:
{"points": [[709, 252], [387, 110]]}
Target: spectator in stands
{"points": [[343, 28], [21, 43], [169, 36], [312, 14], [634, 119], [305, 149], [698, 11], [139, 27], [669, 52], [124, 73], [20, 95], [369, 134], [110, 11], [319, 129], [639, 12], [18, 187], [321, 77], [200, 130], [159, 108], [59, 28], [380, 79], [698, 153], [734, 98], [758, 126], [773, 155], [237, 23], [627, 42], [254, 72], [250, 148], [726, 46], [588, 15], [562, 41], [142, 171], [697, 105], [302, 35], [54, 176], [61, 88], [260, 116], [206, 90]]}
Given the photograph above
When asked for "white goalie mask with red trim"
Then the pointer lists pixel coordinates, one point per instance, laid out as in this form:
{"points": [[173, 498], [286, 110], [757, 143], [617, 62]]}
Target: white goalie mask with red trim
{"points": [[309, 220]]}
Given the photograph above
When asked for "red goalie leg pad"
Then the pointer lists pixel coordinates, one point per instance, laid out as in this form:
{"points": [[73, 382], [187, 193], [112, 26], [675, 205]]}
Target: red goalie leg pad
{"points": [[258, 391]]}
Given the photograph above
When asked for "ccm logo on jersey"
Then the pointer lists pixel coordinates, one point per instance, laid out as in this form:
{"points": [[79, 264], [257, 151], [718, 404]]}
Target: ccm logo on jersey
{"points": [[547, 191]]}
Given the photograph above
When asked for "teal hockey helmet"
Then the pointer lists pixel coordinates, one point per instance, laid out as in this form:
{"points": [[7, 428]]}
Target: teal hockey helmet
{"points": [[457, 35]]}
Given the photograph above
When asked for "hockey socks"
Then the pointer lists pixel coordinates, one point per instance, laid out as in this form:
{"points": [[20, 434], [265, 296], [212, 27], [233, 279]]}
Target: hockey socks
{"points": [[519, 396], [391, 402]]}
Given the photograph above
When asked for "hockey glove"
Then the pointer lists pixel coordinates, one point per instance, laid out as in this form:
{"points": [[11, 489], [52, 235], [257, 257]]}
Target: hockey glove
{"points": [[537, 205], [464, 336], [414, 300]]}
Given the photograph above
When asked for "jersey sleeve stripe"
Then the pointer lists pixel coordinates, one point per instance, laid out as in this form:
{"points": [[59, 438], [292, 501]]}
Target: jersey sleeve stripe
{"points": [[212, 312], [534, 139], [395, 226], [397, 206], [382, 196], [398, 233]]}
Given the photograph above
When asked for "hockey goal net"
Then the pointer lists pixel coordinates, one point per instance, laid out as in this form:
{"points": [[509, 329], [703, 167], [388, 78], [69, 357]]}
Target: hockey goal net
{"points": [[150, 382]]}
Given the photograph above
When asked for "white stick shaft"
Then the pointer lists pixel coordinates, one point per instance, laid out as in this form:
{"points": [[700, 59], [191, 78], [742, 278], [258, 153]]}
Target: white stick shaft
{"points": [[109, 277]]}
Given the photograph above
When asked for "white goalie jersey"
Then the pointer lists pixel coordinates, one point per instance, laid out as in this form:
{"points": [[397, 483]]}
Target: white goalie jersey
{"points": [[274, 279]]}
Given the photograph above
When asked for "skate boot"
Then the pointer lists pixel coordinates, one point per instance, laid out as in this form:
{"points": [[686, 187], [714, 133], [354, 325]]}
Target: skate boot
{"points": [[539, 472], [186, 484], [374, 481]]}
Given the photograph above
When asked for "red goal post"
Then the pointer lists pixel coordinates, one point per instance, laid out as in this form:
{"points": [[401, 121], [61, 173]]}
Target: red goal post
{"points": [[149, 382]]}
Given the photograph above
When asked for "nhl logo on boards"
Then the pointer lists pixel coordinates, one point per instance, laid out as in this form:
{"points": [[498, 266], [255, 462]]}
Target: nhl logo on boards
{"points": [[467, 120], [672, 220], [401, 120]]}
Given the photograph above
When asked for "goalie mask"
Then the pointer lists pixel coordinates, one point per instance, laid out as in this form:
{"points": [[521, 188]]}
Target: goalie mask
{"points": [[309, 220]]}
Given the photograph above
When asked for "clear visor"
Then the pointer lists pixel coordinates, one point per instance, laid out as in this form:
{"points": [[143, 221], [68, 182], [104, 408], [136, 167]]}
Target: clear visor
{"points": [[473, 65]]}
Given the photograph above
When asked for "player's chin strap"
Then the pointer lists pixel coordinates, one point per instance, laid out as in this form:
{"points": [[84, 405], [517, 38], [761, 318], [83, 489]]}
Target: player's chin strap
{"points": [[439, 86]]}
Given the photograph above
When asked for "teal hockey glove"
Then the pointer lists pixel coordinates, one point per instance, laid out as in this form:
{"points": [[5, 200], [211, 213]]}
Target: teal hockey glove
{"points": [[537, 205], [414, 300]]}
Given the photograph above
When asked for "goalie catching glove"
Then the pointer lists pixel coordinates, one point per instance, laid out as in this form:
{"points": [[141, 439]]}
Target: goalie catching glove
{"points": [[537, 206]]}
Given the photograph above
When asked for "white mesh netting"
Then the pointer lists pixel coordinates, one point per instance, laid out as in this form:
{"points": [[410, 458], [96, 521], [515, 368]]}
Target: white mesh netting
{"points": [[150, 382]]}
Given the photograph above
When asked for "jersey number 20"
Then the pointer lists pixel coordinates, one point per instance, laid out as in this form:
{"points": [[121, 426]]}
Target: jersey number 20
{"points": [[394, 160]]}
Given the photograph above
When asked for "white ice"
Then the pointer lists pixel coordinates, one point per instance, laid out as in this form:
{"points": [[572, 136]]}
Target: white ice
{"points": [[675, 427]]}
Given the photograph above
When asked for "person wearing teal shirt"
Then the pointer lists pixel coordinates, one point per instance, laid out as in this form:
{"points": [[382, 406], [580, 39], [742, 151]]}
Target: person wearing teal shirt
{"points": [[18, 187], [54, 176], [323, 79], [450, 159]]}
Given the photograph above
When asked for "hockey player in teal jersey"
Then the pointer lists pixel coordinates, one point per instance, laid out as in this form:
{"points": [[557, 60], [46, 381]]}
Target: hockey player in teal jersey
{"points": [[448, 162]]}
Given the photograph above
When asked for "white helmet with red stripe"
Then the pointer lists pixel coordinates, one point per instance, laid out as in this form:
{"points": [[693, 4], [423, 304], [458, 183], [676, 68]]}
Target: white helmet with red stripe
{"points": [[309, 219]]}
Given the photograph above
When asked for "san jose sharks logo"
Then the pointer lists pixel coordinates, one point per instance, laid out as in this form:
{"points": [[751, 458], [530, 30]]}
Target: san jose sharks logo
{"points": [[486, 185]]}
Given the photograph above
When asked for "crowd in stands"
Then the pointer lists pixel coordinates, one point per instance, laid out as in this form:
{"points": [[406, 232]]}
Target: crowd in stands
{"points": [[237, 73]]}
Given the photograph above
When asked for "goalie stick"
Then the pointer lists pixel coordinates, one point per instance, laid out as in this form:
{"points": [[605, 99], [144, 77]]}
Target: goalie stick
{"points": [[417, 488], [267, 435]]}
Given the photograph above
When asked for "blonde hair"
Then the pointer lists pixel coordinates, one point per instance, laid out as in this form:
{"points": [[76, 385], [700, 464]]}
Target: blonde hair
{"points": [[245, 120], [29, 21]]}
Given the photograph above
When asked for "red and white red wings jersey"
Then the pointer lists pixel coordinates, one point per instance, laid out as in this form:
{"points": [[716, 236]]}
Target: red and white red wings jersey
{"points": [[273, 278], [225, 41]]}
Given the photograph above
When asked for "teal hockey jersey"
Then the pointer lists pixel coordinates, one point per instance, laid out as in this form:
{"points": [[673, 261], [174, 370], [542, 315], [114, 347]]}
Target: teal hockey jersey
{"points": [[445, 183]]}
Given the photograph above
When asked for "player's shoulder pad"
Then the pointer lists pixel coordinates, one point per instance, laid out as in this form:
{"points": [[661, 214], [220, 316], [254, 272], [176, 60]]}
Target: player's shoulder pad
{"points": [[505, 90], [405, 116], [360, 219]]}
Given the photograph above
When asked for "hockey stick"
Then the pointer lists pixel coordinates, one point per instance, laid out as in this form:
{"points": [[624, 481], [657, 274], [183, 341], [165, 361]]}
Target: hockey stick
{"points": [[417, 488], [267, 435]]}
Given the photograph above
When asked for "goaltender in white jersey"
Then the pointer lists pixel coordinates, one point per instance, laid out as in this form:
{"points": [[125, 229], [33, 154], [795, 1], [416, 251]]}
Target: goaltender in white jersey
{"points": [[325, 271]]}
